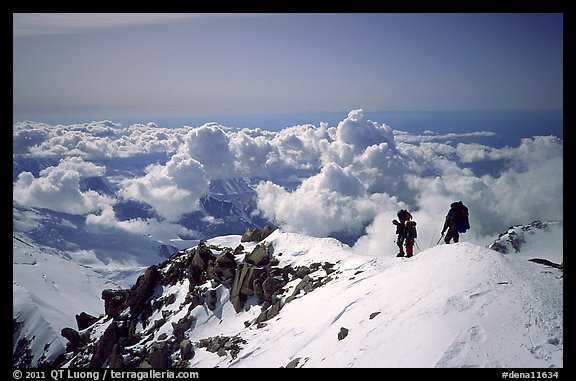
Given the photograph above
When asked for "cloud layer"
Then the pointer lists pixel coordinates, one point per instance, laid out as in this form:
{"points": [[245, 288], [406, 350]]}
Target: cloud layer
{"points": [[319, 180]]}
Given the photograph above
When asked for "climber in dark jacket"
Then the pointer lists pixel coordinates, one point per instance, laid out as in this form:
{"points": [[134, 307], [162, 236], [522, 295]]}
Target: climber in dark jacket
{"points": [[456, 222], [406, 230]]}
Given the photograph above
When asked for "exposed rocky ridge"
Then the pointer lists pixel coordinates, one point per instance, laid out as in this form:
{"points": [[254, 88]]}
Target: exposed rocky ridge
{"points": [[513, 239], [149, 325]]}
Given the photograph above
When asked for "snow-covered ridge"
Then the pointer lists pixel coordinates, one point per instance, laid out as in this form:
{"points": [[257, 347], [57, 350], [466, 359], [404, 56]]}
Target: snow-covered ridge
{"points": [[531, 238], [323, 305], [47, 292]]}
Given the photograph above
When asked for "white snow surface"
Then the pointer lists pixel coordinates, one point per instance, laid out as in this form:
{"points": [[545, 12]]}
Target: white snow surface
{"points": [[457, 305], [47, 292]]}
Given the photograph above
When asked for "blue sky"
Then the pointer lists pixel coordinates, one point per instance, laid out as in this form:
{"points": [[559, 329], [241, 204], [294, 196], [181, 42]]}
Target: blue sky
{"points": [[110, 66]]}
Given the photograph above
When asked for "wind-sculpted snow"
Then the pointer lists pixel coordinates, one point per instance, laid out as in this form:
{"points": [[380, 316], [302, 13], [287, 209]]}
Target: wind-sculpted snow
{"points": [[458, 305]]}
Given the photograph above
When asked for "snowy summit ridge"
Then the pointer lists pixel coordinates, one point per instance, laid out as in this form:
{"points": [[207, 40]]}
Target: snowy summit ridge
{"points": [[292, 300]]}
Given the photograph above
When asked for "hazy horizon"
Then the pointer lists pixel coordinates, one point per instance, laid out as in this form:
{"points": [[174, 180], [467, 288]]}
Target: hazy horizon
{"points": [[86, 67]]}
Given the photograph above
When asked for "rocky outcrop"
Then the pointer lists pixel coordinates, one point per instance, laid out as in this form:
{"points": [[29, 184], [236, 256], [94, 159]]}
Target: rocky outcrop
{"points": [[256, 234], [84, 320], [150, 326], [343, 333], [513, 239], [222, 345]]}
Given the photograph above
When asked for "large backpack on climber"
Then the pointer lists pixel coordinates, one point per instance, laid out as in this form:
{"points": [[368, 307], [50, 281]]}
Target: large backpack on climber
{"points": [[411, 229], [403, 216], [458, 214]]}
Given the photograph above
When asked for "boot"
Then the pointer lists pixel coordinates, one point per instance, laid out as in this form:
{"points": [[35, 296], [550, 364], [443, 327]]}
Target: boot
{"points": [[401, 253], [409, 251]]}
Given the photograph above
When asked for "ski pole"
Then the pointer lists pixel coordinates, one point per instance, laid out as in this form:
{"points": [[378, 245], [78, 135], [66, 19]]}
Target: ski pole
{"points": [[416, 243], [439, 239]]}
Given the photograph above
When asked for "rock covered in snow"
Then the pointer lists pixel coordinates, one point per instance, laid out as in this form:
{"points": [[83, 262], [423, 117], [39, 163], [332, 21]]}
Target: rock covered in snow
{"points": [[519, 235], [149, 324]]}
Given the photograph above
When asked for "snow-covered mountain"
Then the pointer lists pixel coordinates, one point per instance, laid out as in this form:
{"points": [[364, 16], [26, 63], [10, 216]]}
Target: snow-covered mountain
{"points": [[297, 301], [97, 204], [46, 290]]}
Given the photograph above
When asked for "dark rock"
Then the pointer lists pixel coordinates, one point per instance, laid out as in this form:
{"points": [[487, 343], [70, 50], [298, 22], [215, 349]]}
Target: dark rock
{"points": [[196, 276], [182, 326], [194, 298], [274, 262], [302, 271], [243, 284], [225, 265], [269, 313], [259, 256], [251, 235], [215, 344], [226, 260], [159, 323], [114, 301], [202, 255], [327, 266], [143, 289], [115, 360], [293, 363], [255, 234], [373, 315], [266, 231], [239, 250], [315, 266], [170, 299], [258, 291], [84, 320], [342, 334], [186, 349], [175, 273], [271, 286], [547, 263], [212, 299], [104, 346], [74, 338], [160, 358]]}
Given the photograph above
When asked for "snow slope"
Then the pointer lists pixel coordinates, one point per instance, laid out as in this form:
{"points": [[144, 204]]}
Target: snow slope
{"points": [[458, 305], [47, 292]]}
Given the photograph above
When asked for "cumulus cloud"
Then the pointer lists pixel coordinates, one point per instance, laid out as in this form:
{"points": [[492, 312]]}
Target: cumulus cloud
{"points": [[361, 133], [58, 188], [332, 201], [173, 189], [209, 145], [95, 140], [318, 180], [530, 189], [352, 137]]}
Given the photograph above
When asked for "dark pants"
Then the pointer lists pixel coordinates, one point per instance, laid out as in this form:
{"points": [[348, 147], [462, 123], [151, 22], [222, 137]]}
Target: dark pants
{"points": [[409, 245], [452, 234]]}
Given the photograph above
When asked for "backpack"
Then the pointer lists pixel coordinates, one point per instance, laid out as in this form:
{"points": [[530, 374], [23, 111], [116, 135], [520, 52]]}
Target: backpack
{"points": [[458, 215], [411, 229]]}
